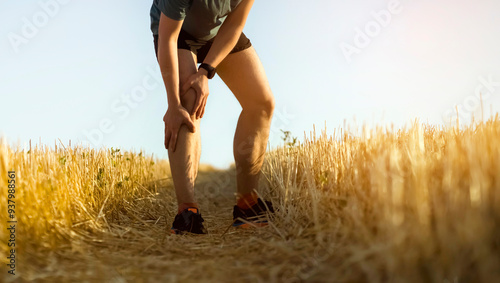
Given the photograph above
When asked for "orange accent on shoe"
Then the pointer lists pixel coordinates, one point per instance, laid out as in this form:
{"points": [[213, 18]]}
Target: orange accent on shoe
{"points": [[186, 205], [246, 201], [192, 209]]}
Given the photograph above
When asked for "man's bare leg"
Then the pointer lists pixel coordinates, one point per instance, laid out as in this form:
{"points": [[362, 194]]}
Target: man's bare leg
{"points": [[244, 74], [185, 160]]}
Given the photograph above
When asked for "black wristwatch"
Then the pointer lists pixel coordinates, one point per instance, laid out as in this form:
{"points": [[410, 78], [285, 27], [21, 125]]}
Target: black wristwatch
{"points": [[210, 70]]}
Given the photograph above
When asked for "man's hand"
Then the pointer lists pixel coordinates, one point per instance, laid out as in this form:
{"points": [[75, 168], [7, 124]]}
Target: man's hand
{"points": [[174, 118], [198, 82]]}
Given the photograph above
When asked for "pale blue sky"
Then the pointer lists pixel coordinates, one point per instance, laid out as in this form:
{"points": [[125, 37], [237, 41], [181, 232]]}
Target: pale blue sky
{"points": [[71, 72]]}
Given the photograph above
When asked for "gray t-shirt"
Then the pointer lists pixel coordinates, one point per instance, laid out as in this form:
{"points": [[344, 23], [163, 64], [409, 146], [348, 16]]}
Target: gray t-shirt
{"points": [[202, 18]]}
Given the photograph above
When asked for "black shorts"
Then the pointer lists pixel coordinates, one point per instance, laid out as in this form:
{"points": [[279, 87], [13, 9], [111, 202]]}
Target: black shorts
{"points": [[188, 42]]}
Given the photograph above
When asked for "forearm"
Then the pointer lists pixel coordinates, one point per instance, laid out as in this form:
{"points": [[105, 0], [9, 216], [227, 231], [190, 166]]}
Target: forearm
{"points": [[228, 34], [224, 42], [169, 66]]}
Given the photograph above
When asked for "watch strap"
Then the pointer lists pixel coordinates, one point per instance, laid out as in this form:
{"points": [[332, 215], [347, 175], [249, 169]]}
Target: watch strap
{"points": [[210, 70]]}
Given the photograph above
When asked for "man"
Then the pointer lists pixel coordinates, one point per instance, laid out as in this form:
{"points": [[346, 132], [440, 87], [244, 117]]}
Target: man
{"points": [[209, 32]]}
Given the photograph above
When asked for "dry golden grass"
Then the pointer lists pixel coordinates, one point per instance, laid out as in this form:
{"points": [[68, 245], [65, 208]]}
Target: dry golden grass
{"points": [[420, 204]]}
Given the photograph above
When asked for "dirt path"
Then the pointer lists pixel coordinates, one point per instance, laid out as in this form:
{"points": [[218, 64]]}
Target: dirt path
{"points": [[149, 253]]}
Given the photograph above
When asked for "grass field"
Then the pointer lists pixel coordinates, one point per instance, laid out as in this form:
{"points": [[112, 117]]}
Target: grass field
{"points": [[419, 204]]}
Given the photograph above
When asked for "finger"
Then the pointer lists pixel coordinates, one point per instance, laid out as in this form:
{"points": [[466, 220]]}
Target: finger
{"points": [[167, 138], [204, 106], [196, 103], [203, 109], [200, 109], [198, 112], [189, 123], [185, 87], [173, 141]]}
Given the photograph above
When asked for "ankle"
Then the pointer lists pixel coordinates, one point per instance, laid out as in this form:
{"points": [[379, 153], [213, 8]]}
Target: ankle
{"points": [[246, 201]]}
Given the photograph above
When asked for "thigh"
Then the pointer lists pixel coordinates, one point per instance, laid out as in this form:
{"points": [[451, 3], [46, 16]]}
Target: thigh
{"points": [[244, 74], [187, 67]]}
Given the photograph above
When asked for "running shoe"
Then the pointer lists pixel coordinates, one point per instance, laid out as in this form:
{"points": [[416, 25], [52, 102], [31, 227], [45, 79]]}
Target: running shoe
{"points": [[254, 216], [189, 221]]}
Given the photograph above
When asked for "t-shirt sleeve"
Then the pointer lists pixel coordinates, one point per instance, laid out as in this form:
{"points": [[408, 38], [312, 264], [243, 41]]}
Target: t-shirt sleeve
{"points": [[174, 9]]}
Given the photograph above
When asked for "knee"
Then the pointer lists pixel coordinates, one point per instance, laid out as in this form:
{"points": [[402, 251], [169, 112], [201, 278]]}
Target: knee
{"points": [[263, 107], [188, 99], [268, 105]]}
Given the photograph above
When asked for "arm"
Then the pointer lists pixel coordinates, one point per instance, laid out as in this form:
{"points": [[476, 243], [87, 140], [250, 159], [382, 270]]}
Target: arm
{"points": [[168, 32], [228, 34], [224, 42], [176, 115]]}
